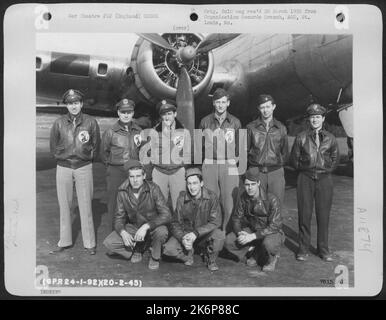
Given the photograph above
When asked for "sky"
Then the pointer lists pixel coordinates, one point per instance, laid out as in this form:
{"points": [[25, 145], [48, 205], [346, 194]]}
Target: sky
{"points": [[111, 44]]}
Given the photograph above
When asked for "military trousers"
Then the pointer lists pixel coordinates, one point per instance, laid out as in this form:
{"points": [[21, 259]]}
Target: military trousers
{"points": [[175, 183], [212, 243], [155, 238], [222, 178], [274, 182], [115, 176], [83, 179], [310, 192], [271, 243]]}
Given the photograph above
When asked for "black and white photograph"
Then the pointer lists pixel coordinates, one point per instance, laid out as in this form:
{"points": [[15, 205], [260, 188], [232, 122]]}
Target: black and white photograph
{"points": [[196, 160]]}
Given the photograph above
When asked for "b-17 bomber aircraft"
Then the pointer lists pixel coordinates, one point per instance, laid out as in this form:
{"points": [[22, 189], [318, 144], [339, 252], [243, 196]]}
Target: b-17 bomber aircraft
{"points": [[296, 69]]}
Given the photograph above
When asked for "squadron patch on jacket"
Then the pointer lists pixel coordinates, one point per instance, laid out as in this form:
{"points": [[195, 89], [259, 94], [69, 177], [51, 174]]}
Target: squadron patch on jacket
{"points": [[137, 140], [84, 136], [229, 136], [178, 141]]}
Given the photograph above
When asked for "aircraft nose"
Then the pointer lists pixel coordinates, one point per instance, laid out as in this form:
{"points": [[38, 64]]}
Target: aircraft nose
{"points": [[187, 54]]}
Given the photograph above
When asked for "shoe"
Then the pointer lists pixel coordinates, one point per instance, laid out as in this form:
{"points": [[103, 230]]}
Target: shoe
{"points": [[136, 257], [91, 251], [153, 264], [326, 257], [212, 266], [190, 259], [58, 250], [211, 261], [302, 256], [271, 265], [251, 262], [110, 253]]}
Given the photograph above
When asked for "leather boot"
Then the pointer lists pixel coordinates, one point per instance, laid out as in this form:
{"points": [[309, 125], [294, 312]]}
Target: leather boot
{"points": [[211, 260]]}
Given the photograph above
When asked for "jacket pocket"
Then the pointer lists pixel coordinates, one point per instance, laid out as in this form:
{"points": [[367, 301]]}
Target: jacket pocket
{"points": [[327, 161], [59, 150], [85, 152], [304, 160]]}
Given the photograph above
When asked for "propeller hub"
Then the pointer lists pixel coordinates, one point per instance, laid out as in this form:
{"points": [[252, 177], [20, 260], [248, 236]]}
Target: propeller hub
{"points": [[187, 54]]}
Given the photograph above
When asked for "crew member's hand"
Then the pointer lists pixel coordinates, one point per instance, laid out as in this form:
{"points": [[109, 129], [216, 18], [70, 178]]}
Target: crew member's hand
{"points": [[245, 237], [188, 240], [141, 232], [127, 238]]}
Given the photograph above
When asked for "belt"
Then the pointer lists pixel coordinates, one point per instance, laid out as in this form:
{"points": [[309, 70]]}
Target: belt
{"points": [[269, 169], [316, 175]]}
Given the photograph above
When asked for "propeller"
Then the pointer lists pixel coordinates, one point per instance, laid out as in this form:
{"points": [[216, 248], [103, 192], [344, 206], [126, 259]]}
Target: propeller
{"points": [[156, 39], [185, 55], [185, 100], [215, 40]]}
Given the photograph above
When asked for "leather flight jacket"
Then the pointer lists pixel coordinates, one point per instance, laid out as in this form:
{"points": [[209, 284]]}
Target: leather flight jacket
{"points": [[312, 160], [227, 133], [267, 149], [120, 144], [200, 216], [150, 207], [172, 148], [262, 214], [74, 142]]}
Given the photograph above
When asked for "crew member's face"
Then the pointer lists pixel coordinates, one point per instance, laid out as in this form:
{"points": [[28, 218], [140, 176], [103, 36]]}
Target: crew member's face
{"points": [[136, 178], [125, 116], [194, 185], [221, 105], [251, 187], [74, 107], [266, 109], [316, 121], [168, 118]]}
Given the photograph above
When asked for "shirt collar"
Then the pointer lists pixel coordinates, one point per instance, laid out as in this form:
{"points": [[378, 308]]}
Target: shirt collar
{"points": [[227, 117], [78, 117], [273, 123], [311, 132], [172, 127], [121, 126], [221, 118]]}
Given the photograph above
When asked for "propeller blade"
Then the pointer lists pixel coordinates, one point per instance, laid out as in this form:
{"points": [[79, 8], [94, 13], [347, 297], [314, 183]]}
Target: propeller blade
{"points": [[156, 39], [185, 100], [214, 41]]}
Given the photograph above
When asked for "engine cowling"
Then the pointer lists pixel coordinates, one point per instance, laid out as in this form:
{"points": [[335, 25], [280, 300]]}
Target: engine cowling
{"points": [[156, 69]]}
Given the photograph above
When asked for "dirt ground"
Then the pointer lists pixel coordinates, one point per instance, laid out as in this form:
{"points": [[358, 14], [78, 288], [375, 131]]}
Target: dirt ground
{"points": [[76, 264]]}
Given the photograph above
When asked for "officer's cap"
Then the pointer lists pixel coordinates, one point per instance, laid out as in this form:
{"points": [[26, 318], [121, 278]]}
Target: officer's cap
{"points": [[166, 105], [252, 174], [219, 93], [125, 105], [263, 98], [132, 164], [72, 95], [194, 171], [315, 109]]}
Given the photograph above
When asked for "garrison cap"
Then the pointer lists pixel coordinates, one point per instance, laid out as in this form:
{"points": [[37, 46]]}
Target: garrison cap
{"points": [[125, 104], [219, 93], [315, 109], [132, 164], [253, 174], [194, 171], [72, 95], [166, 105], [263, 98]]}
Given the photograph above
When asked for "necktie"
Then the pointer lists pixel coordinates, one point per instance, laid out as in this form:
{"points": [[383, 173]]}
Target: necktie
{"points": [[317, 141]]}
